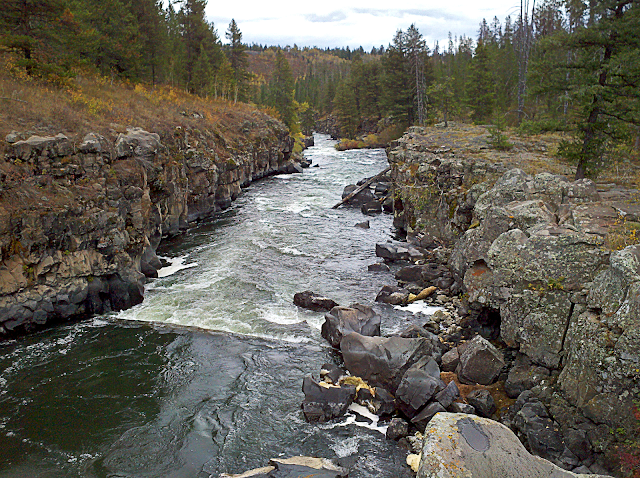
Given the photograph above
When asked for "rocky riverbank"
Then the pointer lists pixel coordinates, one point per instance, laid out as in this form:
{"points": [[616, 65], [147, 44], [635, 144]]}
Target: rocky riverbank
{"points": [[81, 218], [538, 280]]}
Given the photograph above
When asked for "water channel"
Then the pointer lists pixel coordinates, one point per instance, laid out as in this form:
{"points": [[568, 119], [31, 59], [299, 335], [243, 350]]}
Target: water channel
{"points": [[205, 375]]}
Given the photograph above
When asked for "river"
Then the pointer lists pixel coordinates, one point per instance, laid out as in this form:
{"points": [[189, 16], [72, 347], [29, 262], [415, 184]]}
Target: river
{"points": [[205, 375]]}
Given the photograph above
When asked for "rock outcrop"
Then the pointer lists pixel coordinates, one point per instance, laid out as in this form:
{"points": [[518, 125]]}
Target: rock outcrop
{"points": [[458, 445], [541, 260], [80, 221]]}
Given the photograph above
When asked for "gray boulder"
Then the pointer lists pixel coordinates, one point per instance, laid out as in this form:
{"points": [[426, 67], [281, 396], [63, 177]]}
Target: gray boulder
{"points": [[363, 197], [390, 294], [312, 301], [460, 446], [383, 361], [480, 362], [415, 390], [341, 321], [138, 143], [483, 403], [323, 403]]}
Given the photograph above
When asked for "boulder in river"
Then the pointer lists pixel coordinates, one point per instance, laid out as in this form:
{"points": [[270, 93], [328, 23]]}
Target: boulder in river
{"points": [[457, 446], [340, 321], [363, 197], [391, 294], [383, 361], [323, 401], [312, 301]]}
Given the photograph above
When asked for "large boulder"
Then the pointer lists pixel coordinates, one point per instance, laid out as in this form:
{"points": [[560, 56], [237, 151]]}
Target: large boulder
{"points": [[341, 321], [417, 387], [312, 301], [363, 197], [480, 362], [460, 446], [323, 402], [383, 361]]}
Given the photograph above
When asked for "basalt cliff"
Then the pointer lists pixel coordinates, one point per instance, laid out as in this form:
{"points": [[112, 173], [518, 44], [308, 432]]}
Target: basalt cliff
{"points": [[549, 269], [81, 218]]}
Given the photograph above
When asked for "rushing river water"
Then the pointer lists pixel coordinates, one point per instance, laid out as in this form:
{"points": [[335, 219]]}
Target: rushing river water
{"points": [[132, 395]]}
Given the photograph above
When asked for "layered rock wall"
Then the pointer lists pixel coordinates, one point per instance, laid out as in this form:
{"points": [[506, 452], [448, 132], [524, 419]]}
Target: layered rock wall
{"points": [[80, 222], [549, 255]]}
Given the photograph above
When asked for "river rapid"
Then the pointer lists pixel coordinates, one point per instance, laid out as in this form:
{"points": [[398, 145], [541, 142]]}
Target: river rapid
{"points": [[205, 375]]}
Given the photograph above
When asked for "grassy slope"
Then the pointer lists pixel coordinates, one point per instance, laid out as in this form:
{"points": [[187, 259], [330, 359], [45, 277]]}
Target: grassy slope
{"points": [[93, 104]]}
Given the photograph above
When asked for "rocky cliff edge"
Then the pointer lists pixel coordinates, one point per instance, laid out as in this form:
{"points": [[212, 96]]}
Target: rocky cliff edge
{"points": [[80, 220]]}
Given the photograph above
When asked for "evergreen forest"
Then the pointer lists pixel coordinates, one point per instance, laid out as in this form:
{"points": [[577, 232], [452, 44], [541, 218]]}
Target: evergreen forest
{"points": [[558, 65]]}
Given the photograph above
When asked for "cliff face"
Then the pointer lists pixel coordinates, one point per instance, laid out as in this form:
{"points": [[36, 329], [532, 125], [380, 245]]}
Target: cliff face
{"points": [[80, 223], [554, 258]]}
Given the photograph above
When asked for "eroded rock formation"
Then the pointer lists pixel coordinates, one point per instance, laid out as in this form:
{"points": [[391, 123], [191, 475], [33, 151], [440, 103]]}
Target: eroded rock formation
{"points": [[80, 221]]}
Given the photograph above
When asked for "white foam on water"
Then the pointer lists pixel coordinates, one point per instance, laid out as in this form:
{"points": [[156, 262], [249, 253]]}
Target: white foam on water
{"points": [[281, 316], [419, 307], [291, 251], [176, 264], [346, 447], [350, 419]]}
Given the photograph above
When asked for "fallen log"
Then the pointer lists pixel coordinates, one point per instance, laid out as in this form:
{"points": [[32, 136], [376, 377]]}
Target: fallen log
{"points": [[360, 188]]}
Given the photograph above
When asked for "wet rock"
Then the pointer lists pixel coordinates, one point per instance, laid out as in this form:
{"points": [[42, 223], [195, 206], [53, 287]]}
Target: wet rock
{"points": [[397, 429], [363, 197], [393, 295], [323, 402], [479, 447], [480, 362], [331, 373], [378, 267], [372, 207], [341, 321], [383, 361], [295, 467], [312, 301], [383, 403], [392, 253], [306, 467]]}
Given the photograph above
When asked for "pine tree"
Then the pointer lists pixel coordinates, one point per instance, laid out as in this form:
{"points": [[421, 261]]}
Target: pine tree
{"points": [[238, 60], [480, 93], [593, 67], [282, 91]]}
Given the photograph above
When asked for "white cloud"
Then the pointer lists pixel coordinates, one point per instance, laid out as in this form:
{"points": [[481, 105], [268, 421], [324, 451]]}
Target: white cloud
{"points": [[334, 23]]}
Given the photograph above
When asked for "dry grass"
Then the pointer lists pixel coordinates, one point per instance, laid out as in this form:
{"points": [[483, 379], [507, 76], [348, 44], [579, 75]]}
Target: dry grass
{"points": [[90, 103]]}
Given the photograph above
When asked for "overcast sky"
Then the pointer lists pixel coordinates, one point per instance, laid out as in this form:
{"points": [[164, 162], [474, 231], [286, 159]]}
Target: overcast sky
{"points": [[333, 23]]}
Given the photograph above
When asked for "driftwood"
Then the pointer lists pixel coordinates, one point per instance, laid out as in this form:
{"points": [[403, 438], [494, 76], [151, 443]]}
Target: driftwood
{"points": [[360, 188]]}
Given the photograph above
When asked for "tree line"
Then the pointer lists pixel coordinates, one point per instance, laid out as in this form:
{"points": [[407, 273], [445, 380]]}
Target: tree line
{"points": [[568, 65], [571, 65], [141, 41]]}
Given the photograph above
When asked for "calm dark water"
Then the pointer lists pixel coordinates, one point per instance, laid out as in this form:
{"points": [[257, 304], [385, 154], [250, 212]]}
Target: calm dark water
{"points": [[205, 375]]}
